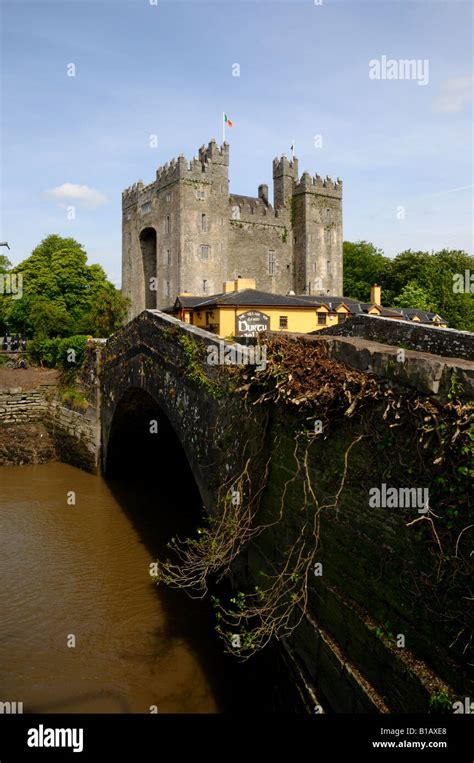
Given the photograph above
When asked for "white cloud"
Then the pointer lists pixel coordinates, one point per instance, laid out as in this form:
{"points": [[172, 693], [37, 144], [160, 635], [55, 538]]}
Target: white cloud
{"points": [[81, 194], [454, 94]]}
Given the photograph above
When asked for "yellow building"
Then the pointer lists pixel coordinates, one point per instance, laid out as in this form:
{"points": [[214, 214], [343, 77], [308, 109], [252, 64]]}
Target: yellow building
{"points": [[241, 310]]}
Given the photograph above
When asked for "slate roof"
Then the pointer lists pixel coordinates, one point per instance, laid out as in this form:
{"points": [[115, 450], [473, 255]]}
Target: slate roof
{"points": [[423, 315], [254, 297]]}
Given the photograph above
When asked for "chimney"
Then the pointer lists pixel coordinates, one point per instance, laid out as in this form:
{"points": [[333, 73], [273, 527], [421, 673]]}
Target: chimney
{"points": [[263, 193], [240, 284], [376, 294]]}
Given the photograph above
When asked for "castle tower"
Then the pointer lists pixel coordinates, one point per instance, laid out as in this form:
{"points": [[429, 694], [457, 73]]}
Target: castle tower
{"points": [[285, 174], [174, 230], [317, 236]]}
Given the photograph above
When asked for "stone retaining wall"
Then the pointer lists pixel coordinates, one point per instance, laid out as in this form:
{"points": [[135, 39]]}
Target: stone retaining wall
{"points": [[74, 434]]}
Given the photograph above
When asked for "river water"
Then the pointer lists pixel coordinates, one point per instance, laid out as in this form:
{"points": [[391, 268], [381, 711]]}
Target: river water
{"points": [[82, 627]]}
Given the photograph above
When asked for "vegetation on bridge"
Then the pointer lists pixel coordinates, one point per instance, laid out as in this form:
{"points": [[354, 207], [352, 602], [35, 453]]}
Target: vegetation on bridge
{"points": [[412, 435]]}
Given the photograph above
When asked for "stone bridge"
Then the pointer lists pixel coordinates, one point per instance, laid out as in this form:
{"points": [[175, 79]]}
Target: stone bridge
{"points": [[380, 631]]}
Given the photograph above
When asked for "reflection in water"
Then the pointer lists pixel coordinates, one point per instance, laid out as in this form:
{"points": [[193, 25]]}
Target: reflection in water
{"points": [[82, 572]]}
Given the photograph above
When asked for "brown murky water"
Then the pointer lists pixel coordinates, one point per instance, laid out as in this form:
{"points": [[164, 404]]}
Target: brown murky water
{"points": [[80, 572]]}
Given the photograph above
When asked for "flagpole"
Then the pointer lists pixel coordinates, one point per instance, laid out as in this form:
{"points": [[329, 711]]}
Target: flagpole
{"points": [[293, 150], [223, 127]]}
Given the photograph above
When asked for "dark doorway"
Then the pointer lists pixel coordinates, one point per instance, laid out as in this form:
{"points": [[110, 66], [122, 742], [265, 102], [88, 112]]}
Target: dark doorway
{"points": [[148, 246]]}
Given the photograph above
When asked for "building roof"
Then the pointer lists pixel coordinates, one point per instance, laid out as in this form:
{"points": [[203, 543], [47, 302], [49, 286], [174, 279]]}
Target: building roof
{"points": [[254, 297], [423, 315], [248, 199]]}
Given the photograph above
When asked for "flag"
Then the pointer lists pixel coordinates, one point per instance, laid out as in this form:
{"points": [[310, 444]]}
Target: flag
{"points": [[227, 120]]}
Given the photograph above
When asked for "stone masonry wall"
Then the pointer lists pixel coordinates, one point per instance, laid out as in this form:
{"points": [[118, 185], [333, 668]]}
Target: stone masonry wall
{"points": [[408, 334], [73, 435]]}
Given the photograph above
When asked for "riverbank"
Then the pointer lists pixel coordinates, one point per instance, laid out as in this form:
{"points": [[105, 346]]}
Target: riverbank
{"points": [[22, 444], [38, 426], [26, 378]]}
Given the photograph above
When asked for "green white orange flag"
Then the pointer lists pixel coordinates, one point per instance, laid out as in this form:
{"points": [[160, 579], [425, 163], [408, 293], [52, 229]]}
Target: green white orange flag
{"points": [[225, 121]]}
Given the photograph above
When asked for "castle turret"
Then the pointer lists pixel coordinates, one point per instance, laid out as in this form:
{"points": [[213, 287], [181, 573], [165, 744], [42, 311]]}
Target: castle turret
{"points": [[214, 153], [285, 174]]}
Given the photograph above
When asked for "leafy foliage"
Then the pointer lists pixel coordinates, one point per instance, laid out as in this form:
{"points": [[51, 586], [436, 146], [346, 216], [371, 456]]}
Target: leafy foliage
{"points": [[57, 352], [62, 294], [421, 280]]}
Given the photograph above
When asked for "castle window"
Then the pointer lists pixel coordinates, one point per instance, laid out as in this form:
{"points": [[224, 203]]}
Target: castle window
{"points": [[283, 321], [168, 257], [321, 319], [328, 215], [205, 252], [204, 285], [129, 239], [271, 263], [327, 236], [328, 268], [200, 195], [167, 288], [314, 267], [167, 224], [168, 196], [203, 222], [145, 207], [236, 212]]}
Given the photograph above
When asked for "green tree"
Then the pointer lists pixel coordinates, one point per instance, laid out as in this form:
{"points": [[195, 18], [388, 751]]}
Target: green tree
{"points": [[434, 273], [49, 318], [107, 314], [418, 279], [364, 265], [5, 266], [57, 273], [413, 295]]}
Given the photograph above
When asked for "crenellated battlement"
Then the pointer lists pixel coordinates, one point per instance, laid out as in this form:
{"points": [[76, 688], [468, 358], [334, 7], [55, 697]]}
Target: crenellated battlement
{"points": [[200, 168], [253, 210], [214, 153], [283, 166], [172, 171], [138, 193], [316, 184]]}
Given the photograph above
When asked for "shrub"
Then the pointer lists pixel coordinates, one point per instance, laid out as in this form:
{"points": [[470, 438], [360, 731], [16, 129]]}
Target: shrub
{"points": [[56, 353]]}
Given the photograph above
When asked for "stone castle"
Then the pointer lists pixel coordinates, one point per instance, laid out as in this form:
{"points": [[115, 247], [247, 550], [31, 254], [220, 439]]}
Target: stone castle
{"points": [[186, 232]]}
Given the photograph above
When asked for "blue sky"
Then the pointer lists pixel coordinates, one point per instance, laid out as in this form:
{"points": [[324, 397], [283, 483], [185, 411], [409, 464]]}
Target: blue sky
{"points": [[166, 69]]}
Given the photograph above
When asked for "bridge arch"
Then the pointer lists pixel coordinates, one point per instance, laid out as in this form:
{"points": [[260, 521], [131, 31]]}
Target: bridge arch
{"points": [[142, 440], [158, 355], [148, 246]]}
